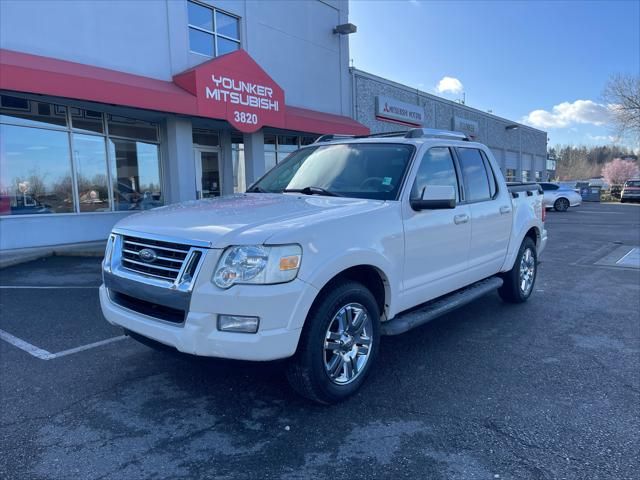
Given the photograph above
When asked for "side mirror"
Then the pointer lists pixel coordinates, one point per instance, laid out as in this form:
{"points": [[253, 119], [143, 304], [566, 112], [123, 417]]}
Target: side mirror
{"points": [[435, 197]]}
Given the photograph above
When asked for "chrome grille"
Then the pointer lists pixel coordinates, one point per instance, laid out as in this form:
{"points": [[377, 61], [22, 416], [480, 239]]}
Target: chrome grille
{"points": [[168, 263]]}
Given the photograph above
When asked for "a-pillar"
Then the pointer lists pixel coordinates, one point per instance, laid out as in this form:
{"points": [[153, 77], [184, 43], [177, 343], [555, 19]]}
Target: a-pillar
{"points": [[254, 165]]}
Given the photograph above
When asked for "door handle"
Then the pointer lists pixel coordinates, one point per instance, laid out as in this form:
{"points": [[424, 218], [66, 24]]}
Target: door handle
{"points": [[505, 209], [458, 219]]}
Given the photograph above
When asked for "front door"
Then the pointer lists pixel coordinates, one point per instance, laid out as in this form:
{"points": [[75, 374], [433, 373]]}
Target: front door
{"points": [[436, 241], [207, 163]]}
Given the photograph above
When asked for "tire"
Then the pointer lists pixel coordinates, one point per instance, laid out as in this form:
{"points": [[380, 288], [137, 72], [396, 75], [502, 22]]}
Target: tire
{"points": [[561, 205], [525, 269], [622, 200], [322, 348]]}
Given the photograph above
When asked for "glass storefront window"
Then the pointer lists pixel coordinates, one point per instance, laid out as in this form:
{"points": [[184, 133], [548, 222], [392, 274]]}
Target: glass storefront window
{"points": [[201, 136], [136, 175], [525, 175], [35, 171], [87, 120], [132, 128], [510, 175], [48, 166], [237, 157], [91, 173], [20, 111]]}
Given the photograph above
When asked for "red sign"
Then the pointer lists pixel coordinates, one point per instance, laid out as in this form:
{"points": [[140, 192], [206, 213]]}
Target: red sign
{"points": [[235, 88]]}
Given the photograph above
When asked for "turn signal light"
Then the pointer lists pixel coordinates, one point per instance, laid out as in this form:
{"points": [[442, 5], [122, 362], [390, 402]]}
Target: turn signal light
{"points": [[289, 263]]}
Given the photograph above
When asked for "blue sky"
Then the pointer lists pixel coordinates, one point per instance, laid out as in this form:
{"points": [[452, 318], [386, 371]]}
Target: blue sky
{"points": [[541, 62]]}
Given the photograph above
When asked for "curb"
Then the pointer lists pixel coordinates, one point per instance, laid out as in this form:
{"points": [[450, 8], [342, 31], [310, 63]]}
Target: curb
{"points": [[17, 257]]}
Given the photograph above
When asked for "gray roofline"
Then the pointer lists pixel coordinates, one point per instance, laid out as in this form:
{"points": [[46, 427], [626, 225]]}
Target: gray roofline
{"points": [[380, 79]]}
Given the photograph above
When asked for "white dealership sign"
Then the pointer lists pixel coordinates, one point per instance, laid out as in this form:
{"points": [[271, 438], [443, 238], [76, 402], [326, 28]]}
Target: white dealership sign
{"points": [[464, 125], [390, 109]]}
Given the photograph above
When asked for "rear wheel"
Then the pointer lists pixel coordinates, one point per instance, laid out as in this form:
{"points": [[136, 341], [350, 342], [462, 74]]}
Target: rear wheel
{"points": [[338, 345], [519, 281], [561, 205]]}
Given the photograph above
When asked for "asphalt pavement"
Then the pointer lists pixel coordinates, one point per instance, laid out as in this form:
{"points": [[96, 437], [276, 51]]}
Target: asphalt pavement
{"points": [[545, 390]]}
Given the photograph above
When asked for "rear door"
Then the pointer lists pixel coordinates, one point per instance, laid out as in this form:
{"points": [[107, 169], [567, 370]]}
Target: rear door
{"points": [[491, 213], [436, 241]]}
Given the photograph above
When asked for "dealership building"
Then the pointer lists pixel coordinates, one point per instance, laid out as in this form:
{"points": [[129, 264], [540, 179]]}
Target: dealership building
{"points": [[110, 108]]}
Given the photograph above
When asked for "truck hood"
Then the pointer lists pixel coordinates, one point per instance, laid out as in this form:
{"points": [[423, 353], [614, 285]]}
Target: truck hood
{"points": [[241, 219]]}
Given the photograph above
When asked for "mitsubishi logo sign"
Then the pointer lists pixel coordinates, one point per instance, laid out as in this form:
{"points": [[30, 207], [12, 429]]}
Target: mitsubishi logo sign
{"points": [[392, 110]]}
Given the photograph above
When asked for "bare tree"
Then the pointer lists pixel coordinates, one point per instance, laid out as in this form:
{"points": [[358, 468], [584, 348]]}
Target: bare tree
{"points": [[622, 93]]}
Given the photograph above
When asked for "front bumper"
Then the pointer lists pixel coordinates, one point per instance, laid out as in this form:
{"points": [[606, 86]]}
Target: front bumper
{"points": [[282, 310], [630, 196]]}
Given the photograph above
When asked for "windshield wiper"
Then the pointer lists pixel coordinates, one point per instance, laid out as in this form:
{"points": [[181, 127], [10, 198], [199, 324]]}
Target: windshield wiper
{"points": [[312, 191]]}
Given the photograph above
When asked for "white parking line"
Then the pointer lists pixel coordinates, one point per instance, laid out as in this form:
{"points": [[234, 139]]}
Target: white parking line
{"points": [[26, 346], [45, 355]]}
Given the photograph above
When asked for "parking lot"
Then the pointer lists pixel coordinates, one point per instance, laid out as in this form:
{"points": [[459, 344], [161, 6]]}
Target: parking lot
{"points": [[548, 389]]}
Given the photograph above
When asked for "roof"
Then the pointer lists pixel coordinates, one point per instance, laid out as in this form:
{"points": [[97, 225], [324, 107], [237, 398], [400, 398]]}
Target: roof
{"points": [[24, 72]]}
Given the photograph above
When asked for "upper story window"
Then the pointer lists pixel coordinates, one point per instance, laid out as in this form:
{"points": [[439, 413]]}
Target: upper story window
{"points": [[212, 32]]}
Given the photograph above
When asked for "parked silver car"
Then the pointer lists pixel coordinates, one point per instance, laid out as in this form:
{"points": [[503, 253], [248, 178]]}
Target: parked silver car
{"points": [[559, 197]]}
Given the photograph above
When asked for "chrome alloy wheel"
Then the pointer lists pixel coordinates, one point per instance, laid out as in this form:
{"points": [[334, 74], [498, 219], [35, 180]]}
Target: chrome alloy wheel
{"points": [[527, 271], [347, 344]]}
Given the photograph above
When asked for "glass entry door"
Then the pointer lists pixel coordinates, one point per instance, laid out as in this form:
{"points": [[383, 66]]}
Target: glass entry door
{"points": [[207, 162]]}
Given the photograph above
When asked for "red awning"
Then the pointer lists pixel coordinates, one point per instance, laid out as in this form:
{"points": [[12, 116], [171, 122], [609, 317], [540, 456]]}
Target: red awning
{"points": [[22, 72]]}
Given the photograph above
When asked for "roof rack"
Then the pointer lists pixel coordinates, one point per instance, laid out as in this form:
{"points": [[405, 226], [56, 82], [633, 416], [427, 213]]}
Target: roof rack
{"points": [[332, 136], [413, 133], [435, 133]]}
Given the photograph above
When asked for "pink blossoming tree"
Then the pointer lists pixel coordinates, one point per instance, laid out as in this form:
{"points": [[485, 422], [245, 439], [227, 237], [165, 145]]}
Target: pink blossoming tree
{"points": [[618, 171]]}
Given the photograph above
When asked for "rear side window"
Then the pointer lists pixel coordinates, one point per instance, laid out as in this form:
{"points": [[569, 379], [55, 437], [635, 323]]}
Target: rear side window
{"points": [[549, 186], [474, 173], [493, 187], [436, 168]]}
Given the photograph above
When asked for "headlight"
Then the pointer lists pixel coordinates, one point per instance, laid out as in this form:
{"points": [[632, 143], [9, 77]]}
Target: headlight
{"points": [[257, 264]]}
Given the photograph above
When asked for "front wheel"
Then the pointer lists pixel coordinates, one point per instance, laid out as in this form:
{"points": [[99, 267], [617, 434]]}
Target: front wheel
{"points": [[519, 281], [561, 205], [338, 344]]}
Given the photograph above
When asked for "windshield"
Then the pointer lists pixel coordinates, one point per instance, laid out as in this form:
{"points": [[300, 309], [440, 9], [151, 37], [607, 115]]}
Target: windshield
{"points": [[360, 170]]}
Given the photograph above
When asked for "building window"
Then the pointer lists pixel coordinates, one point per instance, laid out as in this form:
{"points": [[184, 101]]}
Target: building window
{"points": [[538, 176], [212, 32], [54, 159], [35, 171], [525, 175], [91, 164], [510, 175], [278, 147]]}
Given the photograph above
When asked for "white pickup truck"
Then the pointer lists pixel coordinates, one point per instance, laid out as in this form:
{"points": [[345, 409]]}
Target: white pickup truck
{"points": [[346, 240]]}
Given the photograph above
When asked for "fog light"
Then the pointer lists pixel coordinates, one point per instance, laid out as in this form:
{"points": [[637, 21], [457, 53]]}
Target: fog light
{"points": [[238, 323]]}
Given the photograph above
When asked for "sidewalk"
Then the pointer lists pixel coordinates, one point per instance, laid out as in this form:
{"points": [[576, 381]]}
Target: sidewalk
{"points": [[22, 255]]}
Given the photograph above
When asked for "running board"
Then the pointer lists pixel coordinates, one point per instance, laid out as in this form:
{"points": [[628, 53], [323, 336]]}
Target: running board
{"points": [[434, 309]]}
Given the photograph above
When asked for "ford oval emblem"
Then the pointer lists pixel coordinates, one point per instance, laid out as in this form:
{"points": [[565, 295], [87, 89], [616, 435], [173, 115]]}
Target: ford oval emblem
{"points": [[147, 255]]}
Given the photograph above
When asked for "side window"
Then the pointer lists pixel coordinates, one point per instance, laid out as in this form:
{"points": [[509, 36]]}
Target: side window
{"points": [[436, 168], [474, 173], [493, 186]]}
